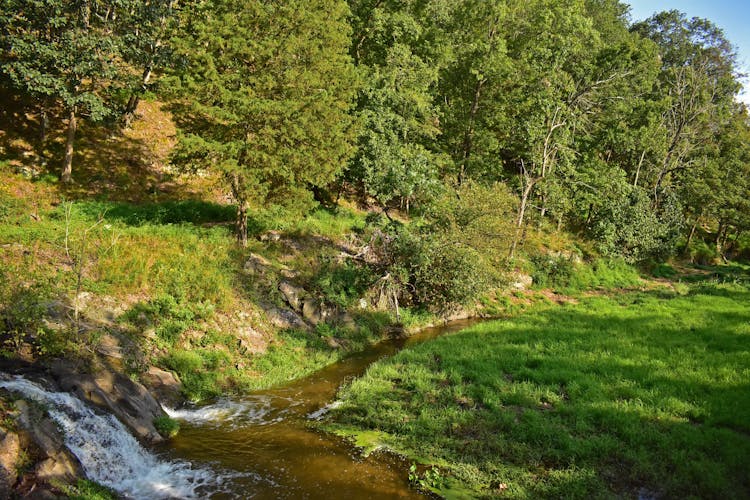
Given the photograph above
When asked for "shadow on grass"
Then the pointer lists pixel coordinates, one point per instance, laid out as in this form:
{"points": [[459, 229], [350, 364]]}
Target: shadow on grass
{"points": [[168, 212]]}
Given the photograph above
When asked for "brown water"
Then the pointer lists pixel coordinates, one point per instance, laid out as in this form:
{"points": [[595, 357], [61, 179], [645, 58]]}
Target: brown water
{"points": [[265, 443]]}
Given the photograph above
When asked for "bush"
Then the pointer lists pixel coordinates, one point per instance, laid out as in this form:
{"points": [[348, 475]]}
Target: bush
{"points": [[628, 227], [167, 427], [436, 273], [342, 284]]}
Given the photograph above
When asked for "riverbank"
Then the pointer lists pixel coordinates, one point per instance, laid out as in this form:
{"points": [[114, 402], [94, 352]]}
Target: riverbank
{"points": [[640, 394]]}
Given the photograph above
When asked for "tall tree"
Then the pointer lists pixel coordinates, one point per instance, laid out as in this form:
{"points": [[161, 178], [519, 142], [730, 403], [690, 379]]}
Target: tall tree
{"points": [[266, 91], [696, 90], [400, 47]]}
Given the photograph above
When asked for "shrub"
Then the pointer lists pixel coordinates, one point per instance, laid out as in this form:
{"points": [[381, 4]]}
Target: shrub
{"points": [[167, 427], [342, 284]]}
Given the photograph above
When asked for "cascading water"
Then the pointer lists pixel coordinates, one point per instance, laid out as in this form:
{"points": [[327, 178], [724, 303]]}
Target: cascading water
{"points": [[264, 438], [111, 456]]}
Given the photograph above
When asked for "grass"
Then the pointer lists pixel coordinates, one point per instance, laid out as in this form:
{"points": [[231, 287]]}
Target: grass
{"points": [[609, 397], [219, 368]]}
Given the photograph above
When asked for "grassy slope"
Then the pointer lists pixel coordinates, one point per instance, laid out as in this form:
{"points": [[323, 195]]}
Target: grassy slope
{"points": [[602, 398], [173, 271]]}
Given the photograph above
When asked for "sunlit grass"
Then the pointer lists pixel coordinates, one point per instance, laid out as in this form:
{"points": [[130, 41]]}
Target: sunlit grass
{"points": [[607, 397]]}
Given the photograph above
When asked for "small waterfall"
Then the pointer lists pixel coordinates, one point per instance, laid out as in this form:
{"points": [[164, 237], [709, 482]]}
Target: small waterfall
{"points": [[111, 456], [252, 410]]}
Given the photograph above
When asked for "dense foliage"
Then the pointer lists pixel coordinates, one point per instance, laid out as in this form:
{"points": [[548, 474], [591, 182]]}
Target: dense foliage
{"points": [[629, 134]]}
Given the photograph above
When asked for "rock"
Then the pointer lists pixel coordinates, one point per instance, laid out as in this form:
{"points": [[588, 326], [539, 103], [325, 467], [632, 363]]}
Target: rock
{"points": [[10, 449], [256, 264], [285, 319], [521, 281], [109, 346], [314, 311], [129, 401], [56, 464], [288, 273], [292, 294], [270, 236], [250, 341], [165, 385]]}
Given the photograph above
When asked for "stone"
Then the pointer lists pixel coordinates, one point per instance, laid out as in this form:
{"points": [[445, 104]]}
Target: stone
{"points": [[522, 281], [285, 319], [256, 264], [56, 464], [270, 236], [109, 346], [250, 341], [292, 294], [129, 401], [288, 273], [166, 386], [315, 311]]}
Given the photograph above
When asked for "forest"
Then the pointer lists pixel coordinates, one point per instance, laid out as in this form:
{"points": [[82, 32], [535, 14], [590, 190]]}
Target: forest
{"points": [[212, 198]]}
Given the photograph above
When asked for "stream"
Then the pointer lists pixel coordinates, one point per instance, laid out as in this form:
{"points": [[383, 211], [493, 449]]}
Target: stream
{"points": [[259, 445]]}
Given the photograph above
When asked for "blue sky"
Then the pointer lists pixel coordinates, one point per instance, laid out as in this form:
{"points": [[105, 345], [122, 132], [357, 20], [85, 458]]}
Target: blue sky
{"points": [[733, 16]]}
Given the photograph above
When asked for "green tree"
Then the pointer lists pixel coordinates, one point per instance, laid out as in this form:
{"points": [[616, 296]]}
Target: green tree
{"points": [[266, 88], [64, 52], [695, 91], [145, 32], [400, 47]]}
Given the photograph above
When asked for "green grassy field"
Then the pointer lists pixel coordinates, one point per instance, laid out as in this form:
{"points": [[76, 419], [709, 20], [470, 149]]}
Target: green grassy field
{"points": [[638, 393]]}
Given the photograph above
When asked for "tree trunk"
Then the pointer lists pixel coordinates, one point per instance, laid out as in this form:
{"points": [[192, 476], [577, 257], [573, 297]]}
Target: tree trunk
{"points": [[692, 233], [638, 170], [129, 113], [43, 126], [717, 241], [242, 223], [68, 163], [519, 221], [238, 191], [469, 136]]}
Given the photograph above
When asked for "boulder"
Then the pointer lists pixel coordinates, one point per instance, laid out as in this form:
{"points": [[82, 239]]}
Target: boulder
{"points": [[285, 319], [250, 341], [293, 295], [315, 312], [164, 385], [56, 464], [521, 281], [129, 401], [256, 264]]}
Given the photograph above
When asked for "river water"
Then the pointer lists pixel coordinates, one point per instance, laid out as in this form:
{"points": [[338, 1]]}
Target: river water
{"points": [[259, 446], [266, 438]]}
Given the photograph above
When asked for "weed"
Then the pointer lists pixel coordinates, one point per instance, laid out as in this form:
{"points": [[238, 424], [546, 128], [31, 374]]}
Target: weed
{"points": [[89, 490]]}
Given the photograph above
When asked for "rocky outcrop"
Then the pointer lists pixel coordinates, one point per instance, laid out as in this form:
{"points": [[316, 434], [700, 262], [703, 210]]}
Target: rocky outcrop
{"points": [[521, 281], [54, 464], [164, 385], [129, 401], [284, 319], [294, 295], [256, 264]]}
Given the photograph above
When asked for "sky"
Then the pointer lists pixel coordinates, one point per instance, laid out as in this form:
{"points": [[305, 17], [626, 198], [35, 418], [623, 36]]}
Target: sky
{"points": [[733, 16]]}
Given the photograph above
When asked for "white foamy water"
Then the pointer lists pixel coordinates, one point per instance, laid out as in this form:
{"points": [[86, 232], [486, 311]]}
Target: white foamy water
{"points": [[111, 456], [320, 413], [257, 410]]}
